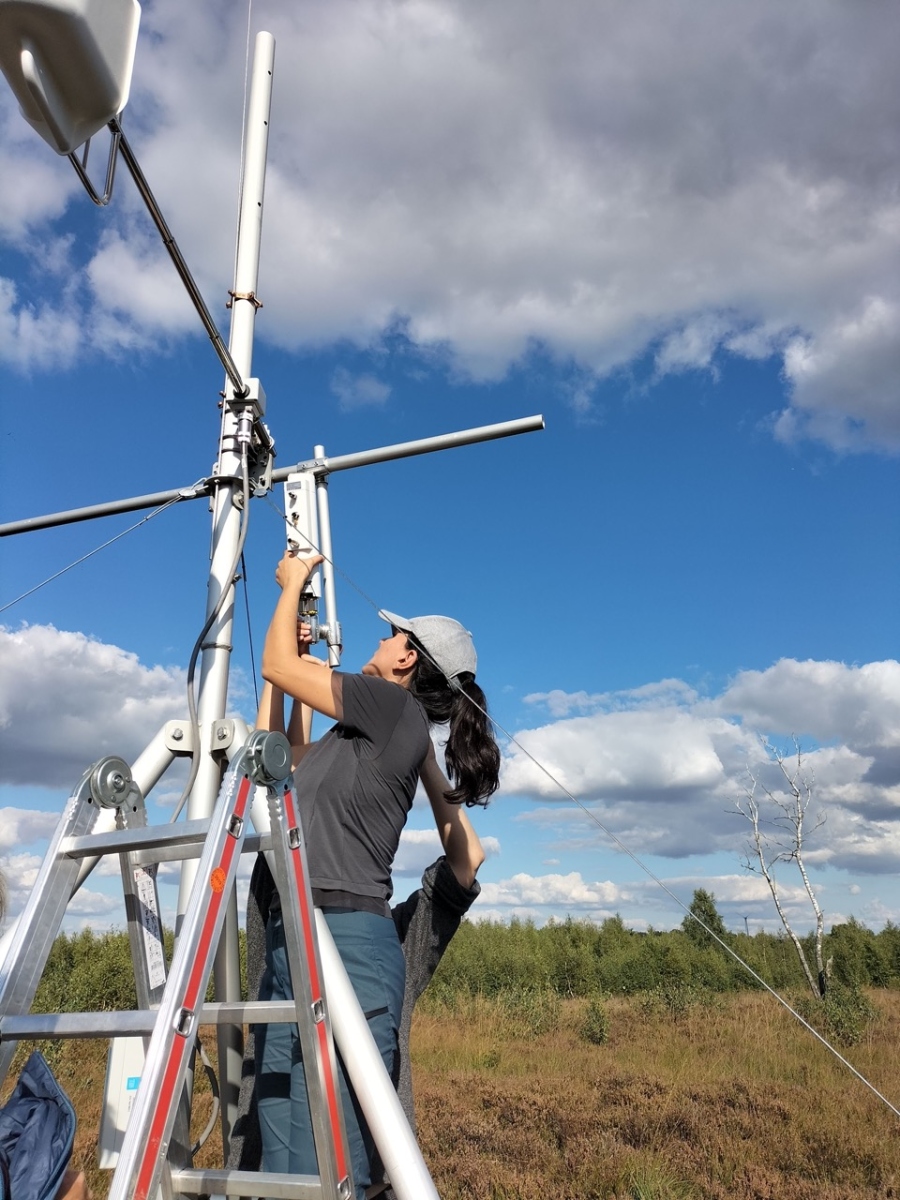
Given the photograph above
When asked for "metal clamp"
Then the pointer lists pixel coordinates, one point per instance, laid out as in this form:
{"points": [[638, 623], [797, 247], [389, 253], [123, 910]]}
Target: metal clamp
{"points": [[251, 296]]}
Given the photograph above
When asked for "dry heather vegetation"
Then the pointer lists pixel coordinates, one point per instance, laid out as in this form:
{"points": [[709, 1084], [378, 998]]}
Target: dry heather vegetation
{"points": [[729, 1097]]}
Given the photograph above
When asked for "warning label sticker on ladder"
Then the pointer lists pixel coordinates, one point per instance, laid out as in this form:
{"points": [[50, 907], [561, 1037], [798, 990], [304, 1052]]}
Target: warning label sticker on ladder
{"points": [[144, 878]]}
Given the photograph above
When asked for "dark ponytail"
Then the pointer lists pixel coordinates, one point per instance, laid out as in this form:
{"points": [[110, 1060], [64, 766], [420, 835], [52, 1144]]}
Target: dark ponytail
{"points": [[472, 754]]}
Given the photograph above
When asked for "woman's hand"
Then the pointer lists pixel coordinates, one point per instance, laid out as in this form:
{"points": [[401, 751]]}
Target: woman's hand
{"points": [[304, 637], [293, 570]]}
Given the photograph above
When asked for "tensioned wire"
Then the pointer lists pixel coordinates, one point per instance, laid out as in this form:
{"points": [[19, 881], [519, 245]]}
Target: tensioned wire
{"points": [[621, 846], [103, 545]]}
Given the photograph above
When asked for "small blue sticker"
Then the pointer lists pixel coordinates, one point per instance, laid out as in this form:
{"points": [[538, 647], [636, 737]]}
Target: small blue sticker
{"points": [[132, 1083]]}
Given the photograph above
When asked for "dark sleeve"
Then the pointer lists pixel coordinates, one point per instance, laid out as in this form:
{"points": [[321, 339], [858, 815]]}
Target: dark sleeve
{"points": [[371, 706], [431, 920], [404, 912]]}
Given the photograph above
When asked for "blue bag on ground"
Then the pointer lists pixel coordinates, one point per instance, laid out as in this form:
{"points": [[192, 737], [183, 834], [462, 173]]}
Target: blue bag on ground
{"points": [[37, 1131]]}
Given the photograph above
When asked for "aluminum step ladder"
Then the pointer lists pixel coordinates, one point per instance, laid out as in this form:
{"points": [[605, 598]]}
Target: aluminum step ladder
{"points": [[155, 1160]]}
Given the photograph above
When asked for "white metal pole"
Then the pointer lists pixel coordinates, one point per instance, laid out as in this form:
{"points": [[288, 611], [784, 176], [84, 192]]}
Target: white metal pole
{"points": [[225, 540], [326, 548], [374, 1090]]}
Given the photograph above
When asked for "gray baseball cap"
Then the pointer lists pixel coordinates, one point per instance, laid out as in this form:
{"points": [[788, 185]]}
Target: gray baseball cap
{"points": [[448, 642]]}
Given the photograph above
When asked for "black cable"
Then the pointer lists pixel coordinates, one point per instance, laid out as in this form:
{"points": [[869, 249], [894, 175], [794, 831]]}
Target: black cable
{"points": [[249, 629], [208, 624]]}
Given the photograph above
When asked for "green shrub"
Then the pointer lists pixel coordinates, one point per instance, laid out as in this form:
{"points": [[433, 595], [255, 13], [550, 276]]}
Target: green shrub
{"points": [[675, 999], [595, 1023], [842, 1015], [531, 1011]]}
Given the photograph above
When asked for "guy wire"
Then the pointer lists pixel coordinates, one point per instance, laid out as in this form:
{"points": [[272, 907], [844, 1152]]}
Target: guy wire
{"points": [[620, 845], [37, 587]]}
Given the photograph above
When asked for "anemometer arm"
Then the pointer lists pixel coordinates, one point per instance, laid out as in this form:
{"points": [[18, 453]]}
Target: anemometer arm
{"points": [[321, 467]]}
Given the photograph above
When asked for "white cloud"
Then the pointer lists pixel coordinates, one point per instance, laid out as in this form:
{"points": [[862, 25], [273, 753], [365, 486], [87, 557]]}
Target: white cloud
{"points": [[665, 776], [420, 847], [35, 335], [159, 303], [623, 753], [539, 897], [86, 908], [21, 826], [859, 705], [605, 180], [844, 380], [66, 700], [34, 186], [662, 775], [358, 391], [663, 693], [737, 893], [551, 889]]}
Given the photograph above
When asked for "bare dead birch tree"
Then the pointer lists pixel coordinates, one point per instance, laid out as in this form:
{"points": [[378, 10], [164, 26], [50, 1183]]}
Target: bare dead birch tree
{"points": [[778, 819]]}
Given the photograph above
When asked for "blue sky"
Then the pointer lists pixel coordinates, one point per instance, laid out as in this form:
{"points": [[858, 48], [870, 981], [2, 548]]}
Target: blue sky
{"points": [[676, 238]]}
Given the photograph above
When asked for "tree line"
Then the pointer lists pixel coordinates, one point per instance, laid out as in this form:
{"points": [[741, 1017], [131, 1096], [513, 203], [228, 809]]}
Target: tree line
{"points": [[571, 958], [578, 958]]}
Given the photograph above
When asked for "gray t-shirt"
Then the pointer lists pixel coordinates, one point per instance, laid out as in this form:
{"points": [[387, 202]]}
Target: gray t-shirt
{"points": [[355, 788]]}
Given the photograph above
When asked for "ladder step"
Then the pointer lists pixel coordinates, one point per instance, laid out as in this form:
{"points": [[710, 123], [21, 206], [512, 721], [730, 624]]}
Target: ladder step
{"points": [[118, 841], [77, 1025], [136, 1022], [154, 843], [194, 1182]]}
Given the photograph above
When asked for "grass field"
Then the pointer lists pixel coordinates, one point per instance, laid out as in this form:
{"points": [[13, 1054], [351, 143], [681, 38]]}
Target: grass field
{"points": [[734, 1099], [727, 1099]]}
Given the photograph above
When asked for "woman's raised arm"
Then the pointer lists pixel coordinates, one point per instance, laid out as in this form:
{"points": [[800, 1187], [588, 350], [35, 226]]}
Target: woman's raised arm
{"points": [[283, 666], [461, 843]]}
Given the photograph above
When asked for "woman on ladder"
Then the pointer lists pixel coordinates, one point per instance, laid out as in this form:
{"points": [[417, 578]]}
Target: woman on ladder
{"points": [[355, 788]]}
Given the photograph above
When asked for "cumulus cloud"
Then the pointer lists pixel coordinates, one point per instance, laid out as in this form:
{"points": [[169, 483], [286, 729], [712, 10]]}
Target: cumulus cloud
{"points": [[67, 700], [21, 826], [649, 695], [844, 380], [859, 705], [87, 907], [159, 303], [665, 777], [35, 334], [608, 754], [358, 391], [34, 186], [538, 897], [602, 180], [420, 847]]}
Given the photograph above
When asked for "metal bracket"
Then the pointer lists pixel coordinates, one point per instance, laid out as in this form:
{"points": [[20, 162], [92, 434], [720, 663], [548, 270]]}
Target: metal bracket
{"points": [[251, 296], [81, 169], [221, 735], [179, 737], [261, 460], [253, 398]]}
